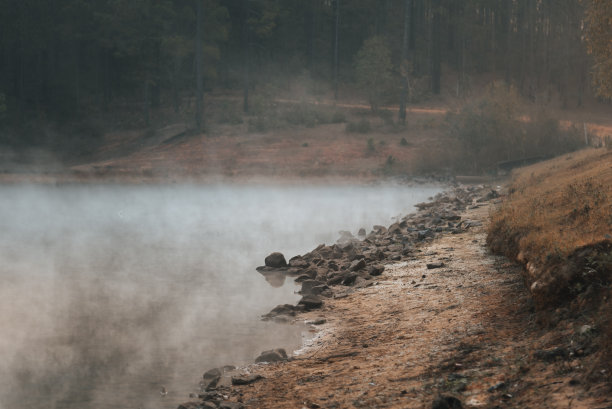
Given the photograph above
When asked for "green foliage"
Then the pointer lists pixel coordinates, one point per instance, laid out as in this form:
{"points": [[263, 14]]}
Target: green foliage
{"points": [[363, 126], [373, 70]]}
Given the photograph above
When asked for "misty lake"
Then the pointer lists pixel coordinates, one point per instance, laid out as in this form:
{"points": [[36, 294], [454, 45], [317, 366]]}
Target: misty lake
{"points": [[111, 292]]}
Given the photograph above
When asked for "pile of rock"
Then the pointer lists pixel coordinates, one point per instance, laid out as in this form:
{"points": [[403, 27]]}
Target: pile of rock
{"points": [[356, 262], [329, 271]]}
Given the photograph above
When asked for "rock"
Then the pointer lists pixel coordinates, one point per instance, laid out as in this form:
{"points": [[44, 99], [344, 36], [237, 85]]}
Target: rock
{"points": [[586, 329], [273, 355], [322, 290], [550, 354], [423, 234], [190, 405], [349, 279], [394, 229], [335, 279], [308, 285], [376, 270], [317, 321], [345, 247], [431, 266], [208, 405], [498, 385], [379, 229], [283, 309], [302, 278], [447, 402], [298, 262], [211, 396], [230, 405], [361, 232], [357, 265], [276, 260], [245, 379], [356, 256], [211, 378], [333, 265], [311, 302]]}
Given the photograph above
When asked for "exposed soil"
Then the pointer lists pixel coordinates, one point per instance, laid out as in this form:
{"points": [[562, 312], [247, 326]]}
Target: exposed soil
{"points": [[465, 330]]}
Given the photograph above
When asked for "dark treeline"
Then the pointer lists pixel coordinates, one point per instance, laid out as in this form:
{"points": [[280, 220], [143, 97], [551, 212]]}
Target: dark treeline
{"points": [[63, 58]]}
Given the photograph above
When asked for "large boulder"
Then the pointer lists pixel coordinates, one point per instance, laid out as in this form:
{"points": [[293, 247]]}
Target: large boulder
{"points": [[211, 378], [276, 260], [311, 302], [274, 355]]}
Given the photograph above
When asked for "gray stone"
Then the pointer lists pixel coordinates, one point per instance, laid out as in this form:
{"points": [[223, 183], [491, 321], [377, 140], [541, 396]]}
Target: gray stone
{"points": [[211, 378], [276, 260], [311, 302], [230, 405], [357, 265], [431, 266], [245, 379], [274, 355], [376, 270]]}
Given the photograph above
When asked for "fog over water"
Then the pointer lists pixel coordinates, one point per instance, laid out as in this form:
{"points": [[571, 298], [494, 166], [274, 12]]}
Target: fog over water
{"points": [[109, 292]]}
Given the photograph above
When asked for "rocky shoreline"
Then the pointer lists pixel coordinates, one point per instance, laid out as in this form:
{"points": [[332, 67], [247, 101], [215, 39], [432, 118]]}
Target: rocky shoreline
{"points": [[335, 271]]}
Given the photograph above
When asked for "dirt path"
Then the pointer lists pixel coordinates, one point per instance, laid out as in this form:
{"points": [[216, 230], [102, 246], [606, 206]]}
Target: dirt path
{"points": [[465, 330]]}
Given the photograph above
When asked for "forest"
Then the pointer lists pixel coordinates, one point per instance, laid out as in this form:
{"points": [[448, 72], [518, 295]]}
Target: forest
{"points": [[63, 60]]}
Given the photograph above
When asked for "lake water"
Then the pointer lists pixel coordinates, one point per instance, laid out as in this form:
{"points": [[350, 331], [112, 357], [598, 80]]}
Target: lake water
{"points": [[111, 292]]}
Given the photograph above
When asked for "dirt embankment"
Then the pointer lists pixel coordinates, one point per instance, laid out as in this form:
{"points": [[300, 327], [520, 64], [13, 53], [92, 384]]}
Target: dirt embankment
{"points": [[446, 325]]}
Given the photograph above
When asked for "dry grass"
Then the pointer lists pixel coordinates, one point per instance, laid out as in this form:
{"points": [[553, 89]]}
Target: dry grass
{"points": [[554, 213]]}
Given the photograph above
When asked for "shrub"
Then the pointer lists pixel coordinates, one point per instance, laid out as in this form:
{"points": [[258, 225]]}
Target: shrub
{"points": [[371, 147], [362, 126], [229, 112], [493, 129], [404, 142], [388, 167], [338, 117]]}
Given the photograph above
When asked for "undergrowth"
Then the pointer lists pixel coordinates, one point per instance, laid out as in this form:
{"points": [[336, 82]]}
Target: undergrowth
{"points": [[557, 219]]}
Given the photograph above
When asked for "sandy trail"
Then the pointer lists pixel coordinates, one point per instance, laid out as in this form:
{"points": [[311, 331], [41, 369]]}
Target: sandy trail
{"points": [[465, 330]]}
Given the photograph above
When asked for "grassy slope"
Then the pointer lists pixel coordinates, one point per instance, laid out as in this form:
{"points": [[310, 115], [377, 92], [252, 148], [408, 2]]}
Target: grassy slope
{"points": [[557, 220]]}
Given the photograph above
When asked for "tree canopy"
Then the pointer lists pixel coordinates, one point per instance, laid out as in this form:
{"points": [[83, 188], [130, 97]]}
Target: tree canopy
{"points": [[63, 59]]}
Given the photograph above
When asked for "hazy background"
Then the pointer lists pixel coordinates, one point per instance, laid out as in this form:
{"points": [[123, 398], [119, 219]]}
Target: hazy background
{"points": [[110, 292]]}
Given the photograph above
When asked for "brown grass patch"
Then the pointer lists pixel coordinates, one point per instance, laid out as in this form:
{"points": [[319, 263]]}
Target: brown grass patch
{"points": [[557, 220]]}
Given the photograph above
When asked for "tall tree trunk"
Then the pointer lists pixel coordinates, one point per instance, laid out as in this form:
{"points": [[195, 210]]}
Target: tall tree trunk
{"points": [[199, 69], [436, 69], [336, 38], [405, 62], [147, 101], [246, 55]]}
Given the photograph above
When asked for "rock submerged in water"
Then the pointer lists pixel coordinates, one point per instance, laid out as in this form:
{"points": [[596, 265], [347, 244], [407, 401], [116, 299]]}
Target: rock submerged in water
{"points": [[211, 378], [274, 355], [276, 260]]}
